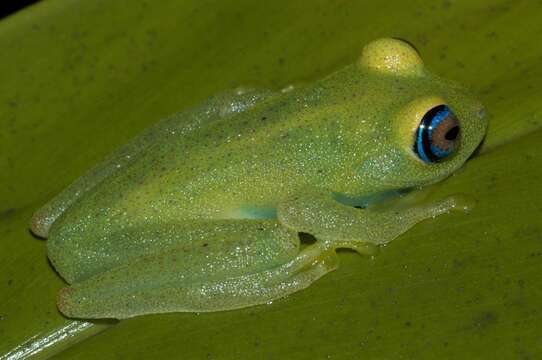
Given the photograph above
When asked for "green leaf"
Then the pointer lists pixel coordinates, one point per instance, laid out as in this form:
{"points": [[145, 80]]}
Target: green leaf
{"points": [[79, 78]]}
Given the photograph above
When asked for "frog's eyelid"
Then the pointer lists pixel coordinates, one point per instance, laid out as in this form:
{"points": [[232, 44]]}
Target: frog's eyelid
{"points": [[392, 56]]}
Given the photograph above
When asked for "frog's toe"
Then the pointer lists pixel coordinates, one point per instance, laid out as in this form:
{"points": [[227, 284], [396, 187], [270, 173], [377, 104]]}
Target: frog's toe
{"points": [[65, 301], [77, 303], [40, 224], [456, 202]]}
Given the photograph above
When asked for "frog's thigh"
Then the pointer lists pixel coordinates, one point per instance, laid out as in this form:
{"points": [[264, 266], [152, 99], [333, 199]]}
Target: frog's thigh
{"points": [[251, 244]]}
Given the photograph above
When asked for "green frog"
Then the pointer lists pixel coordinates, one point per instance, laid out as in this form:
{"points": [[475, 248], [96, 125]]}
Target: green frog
{"points": [[205, 210]]}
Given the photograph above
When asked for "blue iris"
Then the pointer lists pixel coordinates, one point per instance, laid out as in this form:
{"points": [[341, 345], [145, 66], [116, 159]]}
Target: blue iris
{"points": [[425, 145]]}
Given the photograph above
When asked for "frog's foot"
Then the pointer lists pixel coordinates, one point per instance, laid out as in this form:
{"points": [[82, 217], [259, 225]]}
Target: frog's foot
{"points": [[343, 226], [297, 282], [114, 295], [399, 219]]}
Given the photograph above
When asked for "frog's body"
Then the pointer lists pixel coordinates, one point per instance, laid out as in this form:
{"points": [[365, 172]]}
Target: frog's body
{"points": [[202, 212]]}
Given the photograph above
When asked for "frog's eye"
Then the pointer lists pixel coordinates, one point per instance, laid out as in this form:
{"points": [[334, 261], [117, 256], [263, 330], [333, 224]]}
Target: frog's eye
{"points": [[438, 134]]}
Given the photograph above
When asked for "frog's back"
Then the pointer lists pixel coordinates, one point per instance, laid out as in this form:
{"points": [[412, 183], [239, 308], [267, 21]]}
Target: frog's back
{"points": [[254, 158]]}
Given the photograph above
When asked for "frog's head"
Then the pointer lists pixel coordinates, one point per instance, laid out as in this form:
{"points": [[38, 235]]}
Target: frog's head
{"points": [[424, 127]]}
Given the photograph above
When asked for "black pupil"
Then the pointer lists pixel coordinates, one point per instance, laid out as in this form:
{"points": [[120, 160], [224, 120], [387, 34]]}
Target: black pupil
{"points": [[452, 133]]}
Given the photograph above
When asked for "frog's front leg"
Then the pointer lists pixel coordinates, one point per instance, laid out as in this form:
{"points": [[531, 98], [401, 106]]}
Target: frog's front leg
{"points": [[341, 226]]}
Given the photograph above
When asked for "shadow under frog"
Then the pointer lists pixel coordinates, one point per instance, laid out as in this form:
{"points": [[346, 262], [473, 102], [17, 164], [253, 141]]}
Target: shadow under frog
{"points": [[202, 212]]}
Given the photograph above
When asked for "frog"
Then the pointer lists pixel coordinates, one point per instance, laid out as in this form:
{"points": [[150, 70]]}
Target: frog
{"points": [[210, 209]]}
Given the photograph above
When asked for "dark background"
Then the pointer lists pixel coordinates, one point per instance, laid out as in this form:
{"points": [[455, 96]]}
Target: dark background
{"points": [[10, 6]]}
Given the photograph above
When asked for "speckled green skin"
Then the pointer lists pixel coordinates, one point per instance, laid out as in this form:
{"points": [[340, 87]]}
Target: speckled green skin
{"points": [[202, 211]]}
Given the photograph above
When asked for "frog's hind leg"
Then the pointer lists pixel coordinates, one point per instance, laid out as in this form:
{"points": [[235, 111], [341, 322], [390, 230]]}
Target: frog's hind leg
{"points": [[98, 301], [217, 107], [254, 263], [264, 292]]}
